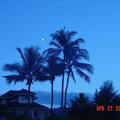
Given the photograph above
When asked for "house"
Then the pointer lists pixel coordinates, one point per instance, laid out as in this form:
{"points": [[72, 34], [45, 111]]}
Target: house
{"points": [[17, 104]]}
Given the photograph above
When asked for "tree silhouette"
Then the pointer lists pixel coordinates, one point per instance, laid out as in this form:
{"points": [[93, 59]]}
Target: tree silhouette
{"points": [[107, 96], [75, 54], [55, 67], [81, 107], [30, 69], [71, 53], [59, 42]]}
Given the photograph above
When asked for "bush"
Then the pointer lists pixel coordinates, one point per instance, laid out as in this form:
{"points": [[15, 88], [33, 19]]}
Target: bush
{"points": [[20, 117], [62, 118], [3, 110]]}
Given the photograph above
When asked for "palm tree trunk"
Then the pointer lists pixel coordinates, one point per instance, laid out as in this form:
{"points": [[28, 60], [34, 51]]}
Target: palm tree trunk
{"points": [[65, 100], [62, 91], [29, 87], [51, 96]]}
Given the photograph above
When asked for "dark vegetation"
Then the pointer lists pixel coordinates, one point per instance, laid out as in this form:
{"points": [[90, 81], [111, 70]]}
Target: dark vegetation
{"points": [[62, 118], [19, 117], [106, 96], [5, 114]]}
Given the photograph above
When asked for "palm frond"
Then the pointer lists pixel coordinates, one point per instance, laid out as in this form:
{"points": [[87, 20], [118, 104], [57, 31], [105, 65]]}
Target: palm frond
{"points": [[83, 75], [55, 44], [54, 59], [22, 56], [70, 34], [77, 42], [16, 67], [60, 37], [57, 69], [31, 54], [44, 78], [72, 74], [83, 53], [84, 66], [51, 51], [14, 78], [33, 58], [76, 53]]}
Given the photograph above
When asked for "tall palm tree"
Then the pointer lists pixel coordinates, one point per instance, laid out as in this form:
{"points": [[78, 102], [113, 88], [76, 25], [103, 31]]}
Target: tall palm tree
{"points": [[30, 69], [55, 67], [60, 40], [74, 56], [69, 49]]}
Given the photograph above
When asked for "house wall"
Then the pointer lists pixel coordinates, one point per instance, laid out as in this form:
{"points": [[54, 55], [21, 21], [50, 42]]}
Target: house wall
{"points": [[28, 113], [3, 101], [24, 99], [40, 114], [13, 100], [31, 114]]}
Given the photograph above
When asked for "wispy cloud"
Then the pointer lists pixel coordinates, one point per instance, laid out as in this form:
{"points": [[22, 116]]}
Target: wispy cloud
{"points": [[45, 97]]}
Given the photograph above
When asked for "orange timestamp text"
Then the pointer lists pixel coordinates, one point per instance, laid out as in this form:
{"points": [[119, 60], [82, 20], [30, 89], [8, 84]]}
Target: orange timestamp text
{"points": [[108, 108]]}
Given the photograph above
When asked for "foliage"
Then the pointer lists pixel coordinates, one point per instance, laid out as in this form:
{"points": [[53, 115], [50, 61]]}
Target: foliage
{"points": [[69, 49], [3, 110], [20, 117], [86, 110], [30, 69], [62, 118], [107, 95], [80, 106], [54, 67]]}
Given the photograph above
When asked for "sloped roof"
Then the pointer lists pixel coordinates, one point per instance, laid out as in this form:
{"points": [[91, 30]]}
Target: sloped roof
{"points": [[33, 105], [14, 92]]}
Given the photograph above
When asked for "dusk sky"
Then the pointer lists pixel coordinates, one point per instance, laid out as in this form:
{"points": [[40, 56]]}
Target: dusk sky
{"points": [[24, 23]]}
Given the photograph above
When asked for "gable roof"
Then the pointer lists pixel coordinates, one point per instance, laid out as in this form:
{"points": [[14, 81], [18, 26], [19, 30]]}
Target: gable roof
{"points": [[33, 105], [11, 93]]}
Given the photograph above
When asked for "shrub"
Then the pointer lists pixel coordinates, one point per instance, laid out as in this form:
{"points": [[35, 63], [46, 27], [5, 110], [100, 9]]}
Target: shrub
{"points": [[62, 118], [20, 117]]}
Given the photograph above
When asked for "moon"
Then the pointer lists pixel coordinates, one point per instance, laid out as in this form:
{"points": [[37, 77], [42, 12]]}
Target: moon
{"points": [[43, 39]]}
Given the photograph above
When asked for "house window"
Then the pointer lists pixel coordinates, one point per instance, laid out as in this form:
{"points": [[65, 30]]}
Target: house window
{"points": [[24, 97], [36, 114], [41, 114]]}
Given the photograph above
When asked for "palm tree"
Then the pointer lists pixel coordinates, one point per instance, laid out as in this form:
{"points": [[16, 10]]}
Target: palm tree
{"points": [[31, 69], [55, 67], [71, 53], [75, 54], [60, 40]]}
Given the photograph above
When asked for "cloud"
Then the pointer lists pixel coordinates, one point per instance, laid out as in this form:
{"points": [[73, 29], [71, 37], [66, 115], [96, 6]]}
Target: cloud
{"points": [[45, 97]]}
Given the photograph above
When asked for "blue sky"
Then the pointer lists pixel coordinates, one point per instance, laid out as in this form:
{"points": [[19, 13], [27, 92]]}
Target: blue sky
{"points": [[24, 23]]}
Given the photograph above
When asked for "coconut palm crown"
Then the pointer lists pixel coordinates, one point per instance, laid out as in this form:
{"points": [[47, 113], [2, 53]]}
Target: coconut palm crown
{"points": [[64, 45], [31, 68]]}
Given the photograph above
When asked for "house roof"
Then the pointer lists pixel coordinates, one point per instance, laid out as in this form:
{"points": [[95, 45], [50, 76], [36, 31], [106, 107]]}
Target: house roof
{"points": [[11, 93], [33, 105]]}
